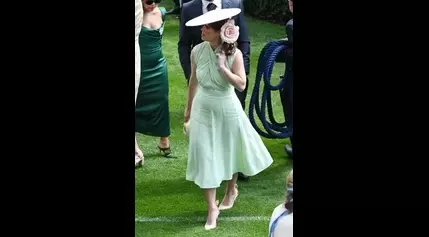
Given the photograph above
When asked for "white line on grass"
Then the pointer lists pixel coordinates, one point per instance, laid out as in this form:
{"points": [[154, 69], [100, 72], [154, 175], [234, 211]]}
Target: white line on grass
{"points": [[199, 218]]}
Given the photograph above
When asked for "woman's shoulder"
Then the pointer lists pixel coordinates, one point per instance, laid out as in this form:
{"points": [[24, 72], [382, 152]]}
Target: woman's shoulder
{"points": [[285, 226], [162, 10], [278, 211], [196, 51], [237, 53], [198, 47]]}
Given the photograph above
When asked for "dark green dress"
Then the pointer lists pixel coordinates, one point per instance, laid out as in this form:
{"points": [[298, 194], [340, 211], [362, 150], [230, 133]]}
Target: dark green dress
{"points": [[152, 109]]}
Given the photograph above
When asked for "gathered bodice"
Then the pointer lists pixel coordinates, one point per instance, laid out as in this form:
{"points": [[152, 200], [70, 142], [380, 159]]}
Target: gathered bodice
{"points": [[207, 71]]}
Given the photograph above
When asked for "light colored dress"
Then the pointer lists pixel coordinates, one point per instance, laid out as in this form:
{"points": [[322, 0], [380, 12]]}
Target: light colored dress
{"points": [[138, 27], [222, 140], [284, 226]]}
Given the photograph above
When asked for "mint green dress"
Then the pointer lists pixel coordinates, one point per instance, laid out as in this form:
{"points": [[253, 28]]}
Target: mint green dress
{"points": [[222, 140]]}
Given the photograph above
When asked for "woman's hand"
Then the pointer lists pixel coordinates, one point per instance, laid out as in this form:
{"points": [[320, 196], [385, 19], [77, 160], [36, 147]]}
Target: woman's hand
{"points": [[221, 59], [186, 116], [236, 76], [186, 122], [186, 128]]}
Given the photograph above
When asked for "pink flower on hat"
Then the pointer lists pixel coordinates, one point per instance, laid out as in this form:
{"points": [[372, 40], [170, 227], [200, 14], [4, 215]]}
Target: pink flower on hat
{"points": [[229, 32]]}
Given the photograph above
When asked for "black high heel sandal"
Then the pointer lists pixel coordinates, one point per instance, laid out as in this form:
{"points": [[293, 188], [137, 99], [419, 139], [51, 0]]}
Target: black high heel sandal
{"points": [[165, 150]]}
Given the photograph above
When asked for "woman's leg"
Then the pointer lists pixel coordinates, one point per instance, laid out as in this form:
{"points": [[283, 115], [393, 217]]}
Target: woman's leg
{"points": [[138, 154], [164, 142], [231, 193], [212, 209], [164, 146]]}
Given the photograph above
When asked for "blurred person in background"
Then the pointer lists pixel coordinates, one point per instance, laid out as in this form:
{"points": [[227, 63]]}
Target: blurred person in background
{"points": [[281, 223], [152, 105]]}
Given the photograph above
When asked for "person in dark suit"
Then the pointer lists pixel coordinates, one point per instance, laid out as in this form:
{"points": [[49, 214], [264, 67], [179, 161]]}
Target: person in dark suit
{"points": [[287, 97], [189, 37], [177, 6]]}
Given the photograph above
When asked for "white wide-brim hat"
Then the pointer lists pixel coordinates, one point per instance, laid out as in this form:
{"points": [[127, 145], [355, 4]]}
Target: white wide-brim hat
{"points": [[213, 16]]}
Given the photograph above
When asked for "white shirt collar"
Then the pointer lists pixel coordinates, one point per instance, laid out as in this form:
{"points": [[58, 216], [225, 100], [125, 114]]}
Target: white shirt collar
{"points": [[218, 3]]}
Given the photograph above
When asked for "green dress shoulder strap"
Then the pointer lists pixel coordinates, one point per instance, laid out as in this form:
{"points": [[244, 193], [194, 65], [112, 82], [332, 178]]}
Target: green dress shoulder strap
{"points": [[163, 13]]}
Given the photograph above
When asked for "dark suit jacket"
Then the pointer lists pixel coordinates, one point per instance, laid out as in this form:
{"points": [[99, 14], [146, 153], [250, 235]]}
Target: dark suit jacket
{"points": [[289, 32], [285, 55], [191, 36]]}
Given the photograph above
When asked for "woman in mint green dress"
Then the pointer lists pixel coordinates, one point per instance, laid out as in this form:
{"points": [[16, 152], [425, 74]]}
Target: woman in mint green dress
{"points": [[152, 108], [222, 141]]}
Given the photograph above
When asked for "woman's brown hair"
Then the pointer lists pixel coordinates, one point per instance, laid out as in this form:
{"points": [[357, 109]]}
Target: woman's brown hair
{"points": [[228, 49]]}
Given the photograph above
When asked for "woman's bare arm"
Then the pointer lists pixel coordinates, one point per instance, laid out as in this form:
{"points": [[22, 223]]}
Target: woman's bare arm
{"points": [[192, 88], [237, 75]]}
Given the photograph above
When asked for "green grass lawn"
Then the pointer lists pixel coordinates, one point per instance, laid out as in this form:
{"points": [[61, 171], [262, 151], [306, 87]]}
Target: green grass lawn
{"points": [[161, 189]]}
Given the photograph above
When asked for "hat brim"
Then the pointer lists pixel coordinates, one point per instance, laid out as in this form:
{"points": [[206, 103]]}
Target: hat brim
{"points": [[213, 16]]}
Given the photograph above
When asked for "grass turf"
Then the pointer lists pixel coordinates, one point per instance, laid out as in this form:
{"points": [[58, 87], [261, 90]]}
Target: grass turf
{"points": [[161, 189]]}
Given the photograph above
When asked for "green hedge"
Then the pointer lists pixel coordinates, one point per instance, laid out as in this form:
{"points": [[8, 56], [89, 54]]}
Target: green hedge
{"points": [[275, 11]]}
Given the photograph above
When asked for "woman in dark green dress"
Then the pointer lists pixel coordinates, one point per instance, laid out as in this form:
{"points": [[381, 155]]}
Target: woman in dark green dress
{"points": [[152, 109]]}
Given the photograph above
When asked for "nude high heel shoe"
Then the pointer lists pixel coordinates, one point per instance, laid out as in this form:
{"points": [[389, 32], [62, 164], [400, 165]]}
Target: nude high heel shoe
{"points": [[224, 207]]}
